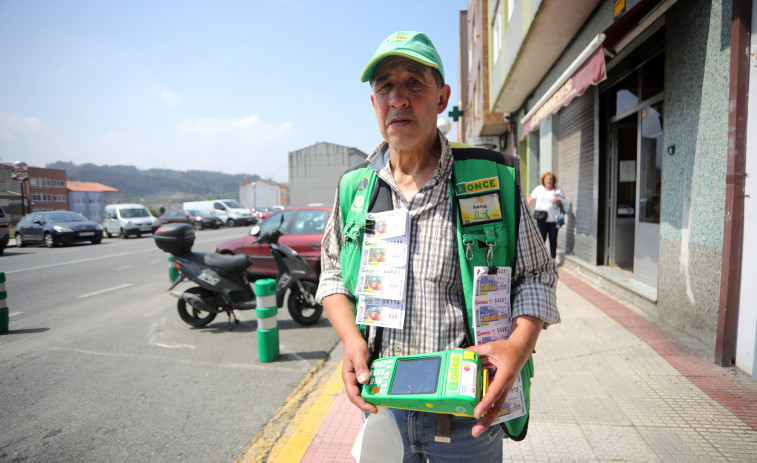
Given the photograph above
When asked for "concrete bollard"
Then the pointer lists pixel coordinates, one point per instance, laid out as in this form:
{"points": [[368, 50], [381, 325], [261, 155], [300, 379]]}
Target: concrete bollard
{"points": [[4, 315], [268, 329], [173, 271]]}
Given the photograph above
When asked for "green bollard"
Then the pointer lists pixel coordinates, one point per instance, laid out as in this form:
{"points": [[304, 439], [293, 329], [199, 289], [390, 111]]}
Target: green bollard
{"points": [[268, 330], [173, 271], [4, 315]]}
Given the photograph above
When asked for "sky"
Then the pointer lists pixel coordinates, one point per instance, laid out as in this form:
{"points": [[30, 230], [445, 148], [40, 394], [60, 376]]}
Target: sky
{"points": [[226, 86]]}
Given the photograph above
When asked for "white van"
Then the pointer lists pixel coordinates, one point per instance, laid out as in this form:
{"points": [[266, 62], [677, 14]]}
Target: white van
{"points": [[230, 211], [128, 219]]}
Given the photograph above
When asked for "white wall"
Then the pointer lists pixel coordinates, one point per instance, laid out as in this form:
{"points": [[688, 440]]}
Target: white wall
{"points": [[746, 341], [260, 194], [314, 172]]}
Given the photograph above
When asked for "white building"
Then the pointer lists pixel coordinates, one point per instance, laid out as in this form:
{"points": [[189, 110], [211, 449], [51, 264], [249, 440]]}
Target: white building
{"points": [[314, 172], [261, 193]]}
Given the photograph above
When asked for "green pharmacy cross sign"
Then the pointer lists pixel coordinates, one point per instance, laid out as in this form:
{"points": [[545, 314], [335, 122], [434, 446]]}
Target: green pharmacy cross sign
{"points": [[456, 114]]}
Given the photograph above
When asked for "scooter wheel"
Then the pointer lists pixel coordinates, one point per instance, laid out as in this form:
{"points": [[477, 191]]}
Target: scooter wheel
{"points": [[192, 316], [301, 311]]}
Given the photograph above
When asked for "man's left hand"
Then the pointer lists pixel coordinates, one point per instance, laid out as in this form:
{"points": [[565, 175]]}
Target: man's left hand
{"points": [[508, 357]]}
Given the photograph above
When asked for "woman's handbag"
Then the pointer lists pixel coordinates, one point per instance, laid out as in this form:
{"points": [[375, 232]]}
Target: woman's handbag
{"points": [[540, 216], [559, 215]]}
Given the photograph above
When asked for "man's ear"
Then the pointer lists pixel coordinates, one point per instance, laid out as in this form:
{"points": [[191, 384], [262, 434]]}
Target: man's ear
{"points": [[444, 94]]}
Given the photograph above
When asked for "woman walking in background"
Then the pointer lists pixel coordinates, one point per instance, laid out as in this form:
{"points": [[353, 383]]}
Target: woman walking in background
{"points": [[548, 197]]}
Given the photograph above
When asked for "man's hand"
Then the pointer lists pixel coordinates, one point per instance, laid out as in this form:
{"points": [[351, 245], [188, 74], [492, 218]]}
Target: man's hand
{"points": [[355, 372], [502, 356], [508, 357]]}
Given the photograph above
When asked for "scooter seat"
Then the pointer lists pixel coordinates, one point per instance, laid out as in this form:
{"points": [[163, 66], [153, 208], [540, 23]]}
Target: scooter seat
{"points": [[228, 263]]}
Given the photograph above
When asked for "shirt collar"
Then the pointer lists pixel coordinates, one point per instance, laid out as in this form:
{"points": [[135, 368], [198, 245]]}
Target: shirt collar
{"points": [[379, 159]]}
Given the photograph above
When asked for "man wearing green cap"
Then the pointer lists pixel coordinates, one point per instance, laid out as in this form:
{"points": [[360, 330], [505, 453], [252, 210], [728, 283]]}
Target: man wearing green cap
{"points": [[416, 170]]}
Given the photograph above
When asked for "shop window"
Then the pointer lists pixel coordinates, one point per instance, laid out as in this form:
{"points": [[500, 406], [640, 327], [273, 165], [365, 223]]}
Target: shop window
{"points": [[653, 78], [625, 95]]}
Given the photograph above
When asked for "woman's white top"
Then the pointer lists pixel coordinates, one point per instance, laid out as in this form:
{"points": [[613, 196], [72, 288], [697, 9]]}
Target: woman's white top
{"points": [[545, 200]]}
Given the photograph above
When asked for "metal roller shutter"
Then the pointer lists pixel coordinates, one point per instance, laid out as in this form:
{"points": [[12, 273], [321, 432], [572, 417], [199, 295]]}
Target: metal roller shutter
{"points": [[576, 176]]}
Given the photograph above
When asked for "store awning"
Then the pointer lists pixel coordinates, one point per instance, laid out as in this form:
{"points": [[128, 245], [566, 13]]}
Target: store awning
{"points": [[589, 68], [590, 72]]}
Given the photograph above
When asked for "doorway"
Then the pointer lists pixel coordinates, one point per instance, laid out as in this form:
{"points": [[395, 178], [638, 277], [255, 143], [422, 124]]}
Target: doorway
{"points": [[622, 213], [634, 176]]}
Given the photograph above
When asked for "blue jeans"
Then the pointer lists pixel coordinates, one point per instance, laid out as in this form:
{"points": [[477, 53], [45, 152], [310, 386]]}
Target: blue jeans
{"points": [[418, 429], [549, 228]]}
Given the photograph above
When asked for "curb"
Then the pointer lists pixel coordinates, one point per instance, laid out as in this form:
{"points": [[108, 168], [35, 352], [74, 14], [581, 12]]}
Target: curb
{"points": [[298, 444], [277, 434]]}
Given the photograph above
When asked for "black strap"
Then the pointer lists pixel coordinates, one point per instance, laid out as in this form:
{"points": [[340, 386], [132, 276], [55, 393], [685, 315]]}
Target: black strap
{"points": [[467, 340]]}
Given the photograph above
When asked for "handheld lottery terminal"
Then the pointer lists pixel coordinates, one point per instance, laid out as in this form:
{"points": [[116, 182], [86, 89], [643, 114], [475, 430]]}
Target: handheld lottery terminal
{"points": [[440, 382]]}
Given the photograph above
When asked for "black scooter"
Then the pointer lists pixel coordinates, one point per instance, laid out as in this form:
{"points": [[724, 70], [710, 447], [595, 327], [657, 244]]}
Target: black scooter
{"points": [[223, 280]]}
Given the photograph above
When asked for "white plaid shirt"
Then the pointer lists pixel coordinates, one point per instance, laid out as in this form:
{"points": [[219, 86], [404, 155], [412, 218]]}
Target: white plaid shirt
{"points": [[434, 296]]}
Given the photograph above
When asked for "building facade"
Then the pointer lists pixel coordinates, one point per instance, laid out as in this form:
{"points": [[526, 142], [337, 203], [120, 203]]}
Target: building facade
{"points": [[628, 103], [88, 199], [262, 193], [44, 190], [314, 172]]}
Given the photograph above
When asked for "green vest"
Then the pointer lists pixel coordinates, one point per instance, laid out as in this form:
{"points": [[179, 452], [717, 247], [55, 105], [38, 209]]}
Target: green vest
{"points": [[477, 175]]}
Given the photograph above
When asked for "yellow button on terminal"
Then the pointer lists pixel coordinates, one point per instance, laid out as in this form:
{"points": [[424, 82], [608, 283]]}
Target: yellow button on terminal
{"points": [[428, 405], [469, 355]]}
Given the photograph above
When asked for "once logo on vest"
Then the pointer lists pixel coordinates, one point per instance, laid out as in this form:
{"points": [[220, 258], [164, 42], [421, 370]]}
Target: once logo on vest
{"points": [[477, 186], [357, 203]]}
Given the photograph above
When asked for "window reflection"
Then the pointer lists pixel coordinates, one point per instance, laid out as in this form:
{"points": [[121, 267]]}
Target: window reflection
{"points": [[650, 181], [626, 95]]}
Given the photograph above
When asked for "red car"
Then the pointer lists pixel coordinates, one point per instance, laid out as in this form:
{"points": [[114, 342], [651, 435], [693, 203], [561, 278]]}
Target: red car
{"points": [[303, 231], [265, 212]]}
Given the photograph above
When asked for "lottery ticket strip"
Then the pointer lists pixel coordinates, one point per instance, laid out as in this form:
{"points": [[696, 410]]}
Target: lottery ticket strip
{"points": [[610, 385]]}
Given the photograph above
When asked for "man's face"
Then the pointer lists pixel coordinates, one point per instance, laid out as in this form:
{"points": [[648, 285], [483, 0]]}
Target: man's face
{"points": [[407, 100]]}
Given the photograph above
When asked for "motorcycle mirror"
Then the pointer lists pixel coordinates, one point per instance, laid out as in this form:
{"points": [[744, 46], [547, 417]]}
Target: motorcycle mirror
{"points": [[255, 230]]}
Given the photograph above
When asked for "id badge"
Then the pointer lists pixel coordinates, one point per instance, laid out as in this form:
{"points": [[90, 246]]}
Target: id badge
{"points": [[479, 209]]}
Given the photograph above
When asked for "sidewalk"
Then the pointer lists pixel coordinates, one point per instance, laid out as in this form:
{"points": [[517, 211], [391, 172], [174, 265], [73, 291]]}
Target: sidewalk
{"points": [[609, 386]]}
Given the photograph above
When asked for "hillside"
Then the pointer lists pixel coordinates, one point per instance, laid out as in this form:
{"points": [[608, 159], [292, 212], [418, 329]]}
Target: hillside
{"points": [[157, 183]]}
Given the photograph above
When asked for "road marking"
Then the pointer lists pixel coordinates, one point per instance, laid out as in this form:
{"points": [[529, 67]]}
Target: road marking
{"points": [[172, 360], [106, 290], [79, 261], [173, 346], [13, 314]]}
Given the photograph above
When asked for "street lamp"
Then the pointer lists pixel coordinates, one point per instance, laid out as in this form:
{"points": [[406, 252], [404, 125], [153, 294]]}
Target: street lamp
{"points": [[19, 174], [444, 125]]}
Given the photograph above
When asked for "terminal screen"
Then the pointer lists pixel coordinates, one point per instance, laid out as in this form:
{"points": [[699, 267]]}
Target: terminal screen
{"points": [[416, 376]]}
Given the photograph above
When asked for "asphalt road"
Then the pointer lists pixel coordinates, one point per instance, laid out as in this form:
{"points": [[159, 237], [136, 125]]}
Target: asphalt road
{"points": [[98, 366]]}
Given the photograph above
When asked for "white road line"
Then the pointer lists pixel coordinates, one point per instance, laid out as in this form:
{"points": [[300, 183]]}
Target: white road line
{"points": [[79, 261], [125, 285], [13, 314]]}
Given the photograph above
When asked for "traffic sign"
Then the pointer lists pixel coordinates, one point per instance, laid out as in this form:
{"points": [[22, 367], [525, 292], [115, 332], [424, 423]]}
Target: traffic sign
{"points": [[19, 174]]}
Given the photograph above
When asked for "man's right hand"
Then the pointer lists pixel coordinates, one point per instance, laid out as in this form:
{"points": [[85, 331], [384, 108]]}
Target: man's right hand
{"points": [[355, 373]]}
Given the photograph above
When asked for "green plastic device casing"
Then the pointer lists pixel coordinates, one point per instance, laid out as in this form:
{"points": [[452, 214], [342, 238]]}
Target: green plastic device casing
{"points": [[440, 382]]}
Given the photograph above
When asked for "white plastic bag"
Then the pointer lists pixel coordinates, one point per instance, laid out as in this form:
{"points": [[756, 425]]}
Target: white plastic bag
{"points": [[379, 440]]}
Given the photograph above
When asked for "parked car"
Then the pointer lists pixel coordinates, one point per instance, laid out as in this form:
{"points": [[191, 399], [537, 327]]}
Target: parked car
{"points": [[53, 228], [231, 212], [265, 212], [196, 219], [303, 231], [128, 219], [4, 230]]}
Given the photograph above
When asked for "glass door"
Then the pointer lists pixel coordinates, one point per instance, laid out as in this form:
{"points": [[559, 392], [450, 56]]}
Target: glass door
{"points": [[647, 235], [623, 207]]}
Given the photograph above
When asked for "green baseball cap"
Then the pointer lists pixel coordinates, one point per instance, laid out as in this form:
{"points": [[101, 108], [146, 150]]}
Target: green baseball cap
{"points": [[416, 46]]}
